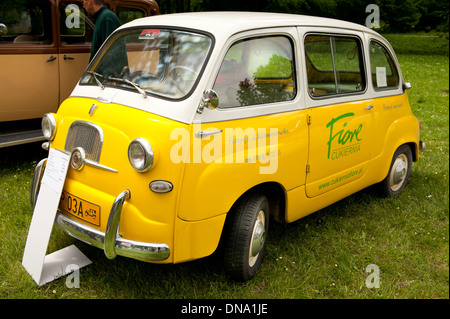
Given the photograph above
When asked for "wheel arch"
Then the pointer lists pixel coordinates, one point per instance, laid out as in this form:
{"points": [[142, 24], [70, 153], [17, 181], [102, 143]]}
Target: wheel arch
{"points": [[276, 195], [414, 150]]}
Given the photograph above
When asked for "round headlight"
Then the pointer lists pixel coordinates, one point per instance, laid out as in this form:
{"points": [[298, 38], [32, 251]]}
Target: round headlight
{"points": [[49, 126], [140, 154]]}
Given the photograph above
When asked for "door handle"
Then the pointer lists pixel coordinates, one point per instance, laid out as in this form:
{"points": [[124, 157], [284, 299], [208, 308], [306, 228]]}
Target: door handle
{"points": [[66, 57], [201, 134], [369, 107], [52, 58]]}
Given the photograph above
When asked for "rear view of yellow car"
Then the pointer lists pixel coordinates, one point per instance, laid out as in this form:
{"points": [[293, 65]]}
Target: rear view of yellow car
{"points": [[192, 129]]}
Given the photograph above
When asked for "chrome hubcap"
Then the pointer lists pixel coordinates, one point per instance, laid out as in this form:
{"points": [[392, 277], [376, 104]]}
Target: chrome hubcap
{"points": [[398, 174], [258, 238]]}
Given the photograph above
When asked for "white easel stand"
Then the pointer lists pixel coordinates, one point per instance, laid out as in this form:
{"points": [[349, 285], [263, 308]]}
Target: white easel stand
{"points": [[45, 268]]}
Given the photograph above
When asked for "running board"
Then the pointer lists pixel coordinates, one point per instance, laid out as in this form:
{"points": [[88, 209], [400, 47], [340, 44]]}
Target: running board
{"points": [[21, 138], [20, 132]]}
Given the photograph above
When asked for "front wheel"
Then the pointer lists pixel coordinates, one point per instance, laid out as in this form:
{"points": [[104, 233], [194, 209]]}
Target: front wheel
{"points": [[246, 237], [399, 172]]}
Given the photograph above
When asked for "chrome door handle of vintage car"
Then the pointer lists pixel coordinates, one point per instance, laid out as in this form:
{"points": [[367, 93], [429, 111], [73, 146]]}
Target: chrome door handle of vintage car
{"points": [[369, 107], [52, 58], [201, 134]]}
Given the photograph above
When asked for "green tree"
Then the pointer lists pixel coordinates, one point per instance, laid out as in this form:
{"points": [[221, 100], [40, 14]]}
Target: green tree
{"points": [[287, 6], [396, 15], [434, 15], [400, 15]]}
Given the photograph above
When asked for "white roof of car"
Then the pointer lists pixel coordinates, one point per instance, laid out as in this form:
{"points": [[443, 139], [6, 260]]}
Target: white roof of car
{"points": [[232, 22]]}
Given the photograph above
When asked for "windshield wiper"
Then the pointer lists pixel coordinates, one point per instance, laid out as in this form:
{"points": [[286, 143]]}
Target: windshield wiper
{"points": [[95, 74], [136, 86]]}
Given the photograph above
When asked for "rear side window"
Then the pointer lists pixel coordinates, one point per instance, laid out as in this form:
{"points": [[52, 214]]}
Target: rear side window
{"points": [[257, 71], [382, 67], [127, 14], [75, 27], [25, 23], [334, 64]]}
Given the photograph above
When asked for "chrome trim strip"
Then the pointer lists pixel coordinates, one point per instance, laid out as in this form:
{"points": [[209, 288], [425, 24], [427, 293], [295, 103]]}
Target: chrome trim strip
{"points": [[100, 166], [94, 164]]}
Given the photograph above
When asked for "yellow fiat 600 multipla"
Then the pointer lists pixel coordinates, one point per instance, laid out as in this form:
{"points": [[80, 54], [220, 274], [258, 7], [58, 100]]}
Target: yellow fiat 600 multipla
{"points": [[191, 129]]}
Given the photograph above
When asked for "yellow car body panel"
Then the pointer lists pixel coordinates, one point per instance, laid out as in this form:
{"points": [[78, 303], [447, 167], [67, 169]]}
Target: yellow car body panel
{"points": [[395, 126], [340, 145], [242, 156]]}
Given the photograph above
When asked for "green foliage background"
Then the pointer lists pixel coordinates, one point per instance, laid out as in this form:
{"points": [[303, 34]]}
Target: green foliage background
{"points": [[395, 15]]}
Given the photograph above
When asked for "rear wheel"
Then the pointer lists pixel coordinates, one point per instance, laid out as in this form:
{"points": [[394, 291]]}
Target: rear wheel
{"points": [[399, 172], [246, 237]]}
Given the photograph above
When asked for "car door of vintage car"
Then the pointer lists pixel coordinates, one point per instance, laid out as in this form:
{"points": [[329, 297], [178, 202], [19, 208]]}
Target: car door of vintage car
{"points": [[339, 110], [29, 79], [258, 132]]}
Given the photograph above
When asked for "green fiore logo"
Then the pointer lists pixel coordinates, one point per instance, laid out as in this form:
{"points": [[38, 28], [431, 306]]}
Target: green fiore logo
{"points": [[343, 137]]}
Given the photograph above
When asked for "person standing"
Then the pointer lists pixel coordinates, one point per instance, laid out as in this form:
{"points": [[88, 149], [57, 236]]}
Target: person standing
{"points": [[105, 22]]}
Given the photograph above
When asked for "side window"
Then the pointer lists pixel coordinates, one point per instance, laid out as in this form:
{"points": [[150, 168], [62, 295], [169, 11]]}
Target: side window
{"points": [[25, 23], [127, 14], [382, 67], [334, 65], [257, 71], [75, 26]]}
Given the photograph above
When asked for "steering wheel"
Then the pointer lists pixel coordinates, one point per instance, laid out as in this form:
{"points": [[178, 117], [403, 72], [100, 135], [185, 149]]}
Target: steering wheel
{"points": [[142, 75], [182, 67]]}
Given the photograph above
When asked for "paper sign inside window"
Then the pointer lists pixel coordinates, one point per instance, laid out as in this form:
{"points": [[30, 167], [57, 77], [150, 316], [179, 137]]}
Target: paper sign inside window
{"points": [[381, 77]]}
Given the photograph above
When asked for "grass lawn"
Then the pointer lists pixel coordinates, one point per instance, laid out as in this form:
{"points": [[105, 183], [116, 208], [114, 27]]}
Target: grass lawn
{"points": [[324, 255]]}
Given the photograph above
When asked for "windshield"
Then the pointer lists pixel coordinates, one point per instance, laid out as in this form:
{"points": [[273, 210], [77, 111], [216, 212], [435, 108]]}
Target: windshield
{"points": [[159, 62]]}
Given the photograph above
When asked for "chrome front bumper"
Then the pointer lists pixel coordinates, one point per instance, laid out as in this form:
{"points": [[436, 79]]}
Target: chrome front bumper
{"points": [[110, 241]]}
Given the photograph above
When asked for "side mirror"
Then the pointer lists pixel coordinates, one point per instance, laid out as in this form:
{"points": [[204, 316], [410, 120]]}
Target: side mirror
{"points": [[210, 100], [406, 86]]}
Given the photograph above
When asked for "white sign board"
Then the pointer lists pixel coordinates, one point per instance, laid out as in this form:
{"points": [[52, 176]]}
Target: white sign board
{"points": [[42, 268], [381, 77]]}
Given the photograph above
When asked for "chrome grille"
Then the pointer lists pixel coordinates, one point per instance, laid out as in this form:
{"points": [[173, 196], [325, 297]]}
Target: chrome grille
{"points": [[87, 136]]}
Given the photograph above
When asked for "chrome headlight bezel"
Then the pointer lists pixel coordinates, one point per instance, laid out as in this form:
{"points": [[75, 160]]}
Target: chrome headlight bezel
{"points": [[78, 158], [48, 125], [140, 154]]}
